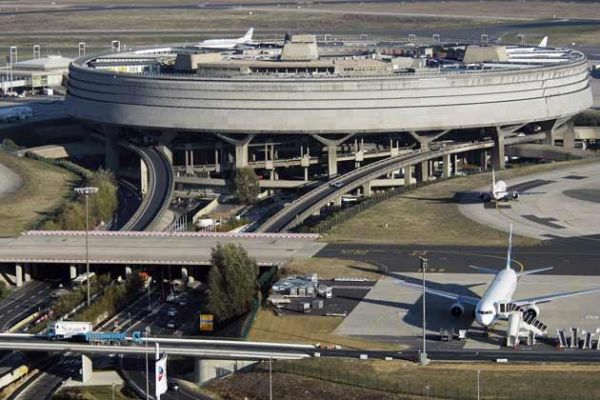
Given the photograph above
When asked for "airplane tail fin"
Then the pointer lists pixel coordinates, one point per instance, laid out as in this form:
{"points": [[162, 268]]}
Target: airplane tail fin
{"points": [[535, 271], [544, 42], [508, 253], [248, 36]]}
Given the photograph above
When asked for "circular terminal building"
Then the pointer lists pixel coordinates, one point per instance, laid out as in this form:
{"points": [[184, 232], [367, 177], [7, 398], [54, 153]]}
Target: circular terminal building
{"points": [[306, 108]]}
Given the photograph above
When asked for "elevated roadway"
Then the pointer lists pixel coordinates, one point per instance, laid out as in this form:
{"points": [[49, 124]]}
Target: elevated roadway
{"points": [[160, 189], [150, 248], [303, 207]]}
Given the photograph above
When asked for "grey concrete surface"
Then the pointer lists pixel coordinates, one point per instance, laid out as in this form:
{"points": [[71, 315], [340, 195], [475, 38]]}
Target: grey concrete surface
{"points": [[293, 105], [149, 249], [392, 311], [595, 84], [10, 181], [545, 211]]}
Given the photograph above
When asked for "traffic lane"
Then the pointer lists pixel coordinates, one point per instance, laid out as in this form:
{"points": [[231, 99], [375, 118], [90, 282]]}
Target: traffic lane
{"points": [[24, 301], [573, 256]]}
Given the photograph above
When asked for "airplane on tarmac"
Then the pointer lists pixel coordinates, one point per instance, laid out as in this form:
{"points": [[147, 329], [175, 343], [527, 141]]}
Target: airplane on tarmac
{"points": [[9, 114], [497, 301], [227, 44], [498, 191]]}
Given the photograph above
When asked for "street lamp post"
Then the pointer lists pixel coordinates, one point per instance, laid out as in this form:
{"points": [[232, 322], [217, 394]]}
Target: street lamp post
{"points": [[478, 373], [87, 191], [423, 354], [147, 330]]}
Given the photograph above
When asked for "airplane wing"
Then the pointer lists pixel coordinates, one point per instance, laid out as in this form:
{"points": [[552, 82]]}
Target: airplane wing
{"points": [[546, 299], [448, 295], [483, 269]]}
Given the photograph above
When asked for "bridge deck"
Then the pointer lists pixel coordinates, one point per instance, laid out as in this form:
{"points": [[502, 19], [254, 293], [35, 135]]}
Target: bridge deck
{"points": [[150, 248]]}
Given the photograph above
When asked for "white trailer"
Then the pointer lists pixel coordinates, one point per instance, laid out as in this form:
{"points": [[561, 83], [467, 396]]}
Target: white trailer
{"points": [[58, 330]]}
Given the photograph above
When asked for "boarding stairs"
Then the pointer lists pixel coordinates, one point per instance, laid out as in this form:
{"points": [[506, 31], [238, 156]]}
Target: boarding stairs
{"points": [[520, 323]]}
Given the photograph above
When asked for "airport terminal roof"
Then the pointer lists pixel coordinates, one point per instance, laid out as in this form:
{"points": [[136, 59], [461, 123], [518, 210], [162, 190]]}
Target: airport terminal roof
{"points": [[49, 63]]}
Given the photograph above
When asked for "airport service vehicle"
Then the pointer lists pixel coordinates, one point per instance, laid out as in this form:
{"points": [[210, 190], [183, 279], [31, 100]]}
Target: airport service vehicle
{"points": [[498, 191], [497, 301], [10, 114], [227, 44], [59, 330], [82, 279]]}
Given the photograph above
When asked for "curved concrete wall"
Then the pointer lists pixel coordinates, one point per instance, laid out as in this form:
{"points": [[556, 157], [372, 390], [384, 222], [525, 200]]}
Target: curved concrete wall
{"points": [[329, 105]]}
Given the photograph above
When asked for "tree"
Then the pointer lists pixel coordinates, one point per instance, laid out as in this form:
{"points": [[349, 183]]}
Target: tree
{"points": [[231, 282], [245, 185], [104, 203]]}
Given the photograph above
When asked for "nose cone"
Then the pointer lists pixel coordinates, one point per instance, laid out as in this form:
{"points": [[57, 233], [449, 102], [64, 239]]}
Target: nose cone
{"points": [[485, 319]]}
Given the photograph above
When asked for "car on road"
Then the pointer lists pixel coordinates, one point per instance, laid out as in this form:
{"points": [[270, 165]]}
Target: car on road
{"points": [[173, 386], [183, 301], [171, 324], [172, 312]]}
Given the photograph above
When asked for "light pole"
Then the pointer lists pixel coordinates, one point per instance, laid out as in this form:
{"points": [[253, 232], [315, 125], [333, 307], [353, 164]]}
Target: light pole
{"points": [[423, 354], [87, 191], [271, 377], [147, 330], [478, 373]]}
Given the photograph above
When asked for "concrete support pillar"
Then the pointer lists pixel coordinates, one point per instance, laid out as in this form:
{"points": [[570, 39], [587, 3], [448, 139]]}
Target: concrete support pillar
{"points": [[408, 175], [483, 160], [111, 149], [568, 135], [337, 202], [367, 191], [86, 368], [332, 152], [128, 271], [18, 275], [72, 272], [305, 174], [332, 160], [241, 149], [189, 162], [27, 272], [447, 163], [144, 177], [422, 171], [184, 274], [217, 160], [498, 150]]}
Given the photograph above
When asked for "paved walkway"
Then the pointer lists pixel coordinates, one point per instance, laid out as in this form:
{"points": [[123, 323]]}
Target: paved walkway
{"points": [[561, 203], [9, 181]]}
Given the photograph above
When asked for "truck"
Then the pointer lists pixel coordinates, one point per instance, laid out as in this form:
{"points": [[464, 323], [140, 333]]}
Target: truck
{"points": [[60, 330], [101, 337]]}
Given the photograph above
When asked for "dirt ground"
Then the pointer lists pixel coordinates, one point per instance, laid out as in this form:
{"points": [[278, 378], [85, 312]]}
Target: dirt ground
{"points": [[430, 215]]}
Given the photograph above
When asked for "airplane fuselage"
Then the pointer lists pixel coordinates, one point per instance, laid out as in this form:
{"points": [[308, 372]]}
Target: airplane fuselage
{"points": [[500, 290]]}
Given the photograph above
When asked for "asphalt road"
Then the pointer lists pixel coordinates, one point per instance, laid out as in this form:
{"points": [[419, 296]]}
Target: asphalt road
{"points": [[161, 190], [24, 301], [573, 256]]}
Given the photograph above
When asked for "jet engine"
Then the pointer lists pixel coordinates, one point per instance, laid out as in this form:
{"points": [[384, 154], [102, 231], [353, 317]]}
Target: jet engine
{"points": [[515, 195], [457, 309], [532, 310]]}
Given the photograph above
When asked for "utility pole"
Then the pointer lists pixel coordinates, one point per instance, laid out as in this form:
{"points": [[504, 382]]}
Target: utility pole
{"points": [[478, 373], [87, 191], [271, 377], [423, 360]]}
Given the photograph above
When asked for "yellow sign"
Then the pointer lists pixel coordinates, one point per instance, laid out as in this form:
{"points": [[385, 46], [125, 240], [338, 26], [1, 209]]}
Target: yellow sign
{"points": [[206, 322]]}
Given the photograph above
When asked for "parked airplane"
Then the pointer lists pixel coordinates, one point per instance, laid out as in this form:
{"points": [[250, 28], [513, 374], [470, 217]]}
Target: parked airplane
{"points": [[498, 191], [9, 114], [227, 44], [497, 301]]}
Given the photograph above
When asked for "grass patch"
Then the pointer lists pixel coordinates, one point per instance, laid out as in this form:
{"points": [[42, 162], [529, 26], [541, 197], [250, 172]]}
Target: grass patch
{"points": [[447, 381], [309, 329], [44, 189], [329, 268], [429, 215]]}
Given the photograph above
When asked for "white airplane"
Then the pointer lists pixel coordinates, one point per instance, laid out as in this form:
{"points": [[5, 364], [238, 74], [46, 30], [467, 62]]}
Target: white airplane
{"points": [[497, 301], [9, 114], [498, 191], [227, 44]]}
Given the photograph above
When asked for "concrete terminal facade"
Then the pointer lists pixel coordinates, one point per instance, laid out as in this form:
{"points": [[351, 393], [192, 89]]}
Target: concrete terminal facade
{"points": [[294, 119]]}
